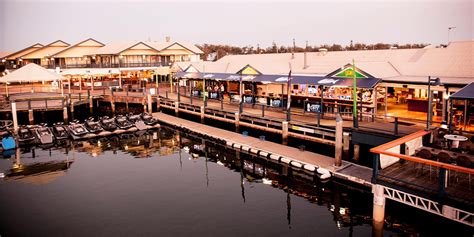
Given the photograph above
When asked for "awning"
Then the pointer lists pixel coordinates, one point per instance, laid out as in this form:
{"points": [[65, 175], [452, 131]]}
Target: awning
{"points": [[267, 79], [215, 76], [318, 80], [90, 71], [466, 93], [30, 73]]}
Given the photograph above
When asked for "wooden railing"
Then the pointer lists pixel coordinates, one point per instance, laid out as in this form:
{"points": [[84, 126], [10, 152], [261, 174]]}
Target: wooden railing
{"points": [[456, 191]]}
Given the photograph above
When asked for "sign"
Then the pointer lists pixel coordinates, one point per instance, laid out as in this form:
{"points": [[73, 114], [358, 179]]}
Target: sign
{"points": [[349, 73], [249, 71], [313, 107], [302, 129]]}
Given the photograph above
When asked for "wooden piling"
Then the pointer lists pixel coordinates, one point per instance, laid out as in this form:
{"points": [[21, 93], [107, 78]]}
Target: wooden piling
{"points": [[15, 118], [345, 144], [149, 100], [237, 122], [356, 152], [338, 152], [176, 108], [378, 216], [91, 104], [284, 132], [31, 118], [65, 115], [202, 114], [112, 106]]}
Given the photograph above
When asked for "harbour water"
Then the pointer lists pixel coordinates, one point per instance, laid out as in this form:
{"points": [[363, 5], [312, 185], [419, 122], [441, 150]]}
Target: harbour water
{"points": [[166, 183]]}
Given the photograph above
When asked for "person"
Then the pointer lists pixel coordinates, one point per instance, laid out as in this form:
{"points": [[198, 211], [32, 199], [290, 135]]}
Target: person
{"points": [[222, 91]]}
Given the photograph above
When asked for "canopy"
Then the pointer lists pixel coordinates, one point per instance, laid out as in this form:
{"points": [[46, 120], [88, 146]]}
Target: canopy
{"points": [[313, 80], [30, 73], [90, 71], [466, 93]]}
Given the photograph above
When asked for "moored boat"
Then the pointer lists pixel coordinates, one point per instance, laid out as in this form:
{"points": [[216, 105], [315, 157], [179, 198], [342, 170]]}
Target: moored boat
{"points": [[93, 126], [44, 134], [77, 130], [59, 131], [122, 122], [108, 124]]}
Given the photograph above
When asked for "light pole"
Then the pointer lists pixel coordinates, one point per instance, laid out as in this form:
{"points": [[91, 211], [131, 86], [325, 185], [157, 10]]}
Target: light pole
{"points": [[435, 82], [449, 30]]}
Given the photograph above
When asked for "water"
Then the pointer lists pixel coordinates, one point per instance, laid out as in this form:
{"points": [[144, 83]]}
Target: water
{"points": [[164, 183]]}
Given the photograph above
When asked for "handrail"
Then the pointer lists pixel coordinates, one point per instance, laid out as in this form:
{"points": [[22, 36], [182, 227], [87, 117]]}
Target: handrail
{"points": [[383, 150]]}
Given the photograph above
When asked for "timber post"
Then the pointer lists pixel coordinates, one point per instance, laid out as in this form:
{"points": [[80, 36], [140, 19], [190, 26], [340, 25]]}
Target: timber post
{"points": [[284, 132], [338, 152]]}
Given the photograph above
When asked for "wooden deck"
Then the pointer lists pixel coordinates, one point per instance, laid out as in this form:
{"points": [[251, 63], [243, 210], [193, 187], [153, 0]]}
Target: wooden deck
{"points": [[424, 179], [291, 152], [348, 171]]}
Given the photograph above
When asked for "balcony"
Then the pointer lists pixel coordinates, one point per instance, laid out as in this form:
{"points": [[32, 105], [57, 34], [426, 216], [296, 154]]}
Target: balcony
{"points": [[108, 65]]}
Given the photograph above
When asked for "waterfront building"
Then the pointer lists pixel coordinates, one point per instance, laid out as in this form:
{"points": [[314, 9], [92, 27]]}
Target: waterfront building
{"points": [[403, 73]]}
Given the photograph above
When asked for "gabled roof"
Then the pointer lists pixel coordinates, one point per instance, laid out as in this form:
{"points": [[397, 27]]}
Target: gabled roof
{"points": [[80, 49], [3, 54], [119, 47], [47, 50], [22, 52], [160, 46]]}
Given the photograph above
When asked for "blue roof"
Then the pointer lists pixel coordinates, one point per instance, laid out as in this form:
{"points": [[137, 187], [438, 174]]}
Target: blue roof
{"points": [[466, 93], [313, 80]]}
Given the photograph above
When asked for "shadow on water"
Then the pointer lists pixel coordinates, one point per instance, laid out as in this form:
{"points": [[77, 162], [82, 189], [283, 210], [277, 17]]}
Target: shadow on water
{"points": [[259, 188]]}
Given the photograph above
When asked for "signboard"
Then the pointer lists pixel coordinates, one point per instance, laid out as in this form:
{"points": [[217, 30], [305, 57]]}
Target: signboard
{"points": [[349, 73], [249, 71], [302, 129], [313, 107]]}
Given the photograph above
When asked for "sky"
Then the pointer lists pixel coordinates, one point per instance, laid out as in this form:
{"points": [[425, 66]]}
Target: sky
{"points": [[241, 23]]}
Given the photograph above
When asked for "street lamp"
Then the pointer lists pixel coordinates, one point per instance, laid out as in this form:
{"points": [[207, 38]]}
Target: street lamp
{"points": [[449, 30], [436, 82]]}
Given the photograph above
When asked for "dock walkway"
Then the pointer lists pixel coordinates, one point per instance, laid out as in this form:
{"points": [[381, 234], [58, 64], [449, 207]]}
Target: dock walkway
{"points": [[290, 155]]}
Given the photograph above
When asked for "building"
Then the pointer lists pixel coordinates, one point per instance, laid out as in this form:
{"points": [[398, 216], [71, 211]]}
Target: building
{"points": [[404, 73]]}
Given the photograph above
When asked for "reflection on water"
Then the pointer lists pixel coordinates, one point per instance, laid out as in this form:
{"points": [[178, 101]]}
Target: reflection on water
{"points": [[164, 182]]}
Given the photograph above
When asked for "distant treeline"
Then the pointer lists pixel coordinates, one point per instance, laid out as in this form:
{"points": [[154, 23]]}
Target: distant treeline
{"points": [[217, 51]]}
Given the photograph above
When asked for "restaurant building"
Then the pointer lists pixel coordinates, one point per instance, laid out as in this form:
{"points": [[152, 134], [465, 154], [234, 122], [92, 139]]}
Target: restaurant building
{"points": [[400, 91]]}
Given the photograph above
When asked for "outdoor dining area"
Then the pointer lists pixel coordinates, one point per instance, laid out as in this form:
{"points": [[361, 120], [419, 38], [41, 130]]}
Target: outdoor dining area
{"points": [[309, 94], [428, 163]]}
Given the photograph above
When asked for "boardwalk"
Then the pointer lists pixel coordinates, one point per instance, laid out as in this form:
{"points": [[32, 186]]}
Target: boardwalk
{"points": [[359, 175]]}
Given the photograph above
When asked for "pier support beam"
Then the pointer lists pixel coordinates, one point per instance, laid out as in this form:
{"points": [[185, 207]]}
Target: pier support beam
{"points": [[356, 152], [15, 118], [150, 101], [338, 152], [176, 108], [345, 144], [378, 218], [284, 132], [237, 122], [31, 117]]}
